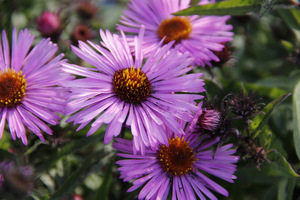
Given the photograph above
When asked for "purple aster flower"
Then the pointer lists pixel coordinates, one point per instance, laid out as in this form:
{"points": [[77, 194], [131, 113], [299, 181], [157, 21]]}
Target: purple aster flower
{"points": [[16, 182], [181, 166], [29, 91], [122, 89], [200, 36]]}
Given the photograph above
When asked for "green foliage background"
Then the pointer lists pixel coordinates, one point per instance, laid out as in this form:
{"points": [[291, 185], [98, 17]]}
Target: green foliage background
{"points": [[266, 59]]}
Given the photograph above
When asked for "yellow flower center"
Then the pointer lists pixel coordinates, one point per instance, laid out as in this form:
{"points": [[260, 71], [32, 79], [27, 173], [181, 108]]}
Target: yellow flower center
{"points": [[131, 85], [12, 88], [176, 28], [177, 158]]}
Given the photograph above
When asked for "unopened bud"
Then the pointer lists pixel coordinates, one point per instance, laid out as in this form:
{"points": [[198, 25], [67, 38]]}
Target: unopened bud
{"points": [[82, 33], [223, 55], [86, 10], [49, 25], [210, 120]]}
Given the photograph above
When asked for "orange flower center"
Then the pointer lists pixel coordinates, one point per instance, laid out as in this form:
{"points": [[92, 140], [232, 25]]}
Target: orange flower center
{"points": [[177, 158], [131, 85], [12, 88], [176, 28]]}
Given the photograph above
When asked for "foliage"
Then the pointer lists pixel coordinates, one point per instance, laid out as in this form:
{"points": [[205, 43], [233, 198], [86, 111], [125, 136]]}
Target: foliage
{"points": [[265, 60]]}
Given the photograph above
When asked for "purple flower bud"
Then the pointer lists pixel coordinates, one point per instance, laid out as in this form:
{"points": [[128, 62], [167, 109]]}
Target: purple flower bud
{"points": [[49, 24], [209, 120]]}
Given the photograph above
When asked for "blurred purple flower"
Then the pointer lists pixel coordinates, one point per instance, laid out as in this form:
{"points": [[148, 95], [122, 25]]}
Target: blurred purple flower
{"points": [[200, 36], [16, 182], [49, 25], [182, 166], [122, 89], [29, 85], [86, 9], [81, 32]]}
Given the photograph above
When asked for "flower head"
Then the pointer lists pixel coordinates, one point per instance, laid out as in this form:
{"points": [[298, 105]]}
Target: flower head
{"points": [[30, 95], [86, 9], [81, 32], [200, 36], [49, 24], [245, 105], [122, 90], [181, 166]]}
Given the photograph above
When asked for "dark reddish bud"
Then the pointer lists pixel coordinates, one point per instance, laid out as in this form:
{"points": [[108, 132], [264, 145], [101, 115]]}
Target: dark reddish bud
{"points": [[245, 105], [82, 33], [223, 55], [86, 9], [49, 25]]}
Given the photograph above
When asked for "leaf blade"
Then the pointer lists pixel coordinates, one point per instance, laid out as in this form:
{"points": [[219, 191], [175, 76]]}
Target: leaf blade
{"points": [[280, 165], [260, 120], [231, 7], [296, 118]]}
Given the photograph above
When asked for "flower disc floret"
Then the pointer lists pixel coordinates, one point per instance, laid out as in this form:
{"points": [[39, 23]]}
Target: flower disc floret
{"points": [[178, 157], [131, 85], [12, 88], [176, 28]]}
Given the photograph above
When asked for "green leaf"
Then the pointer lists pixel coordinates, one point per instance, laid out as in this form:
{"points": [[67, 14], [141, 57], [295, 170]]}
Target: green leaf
{"points": [[261, 90], [231, 7], [68, 149], [271, 92], [296, 118], [78, 176], [285, 189], [292, 18], [33, 147], [6, 155], [102, 192], [266, 7], [280, 165], [259, 122], [281, 189]]}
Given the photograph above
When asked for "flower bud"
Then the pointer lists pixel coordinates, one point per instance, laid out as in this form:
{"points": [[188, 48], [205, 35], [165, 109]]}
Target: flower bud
{"points": [[49, 25], [209, 120], [86, 10], [82, 33], [223, 55]]}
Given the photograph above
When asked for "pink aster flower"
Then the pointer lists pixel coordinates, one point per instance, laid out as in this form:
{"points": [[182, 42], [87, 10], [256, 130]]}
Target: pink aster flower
{"points": [[200, 36], [122, 89], [182, 167], [29, 93]]}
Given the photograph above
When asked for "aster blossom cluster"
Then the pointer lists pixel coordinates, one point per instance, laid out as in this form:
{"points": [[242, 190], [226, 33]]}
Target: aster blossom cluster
{"points": [[142, 80]]}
